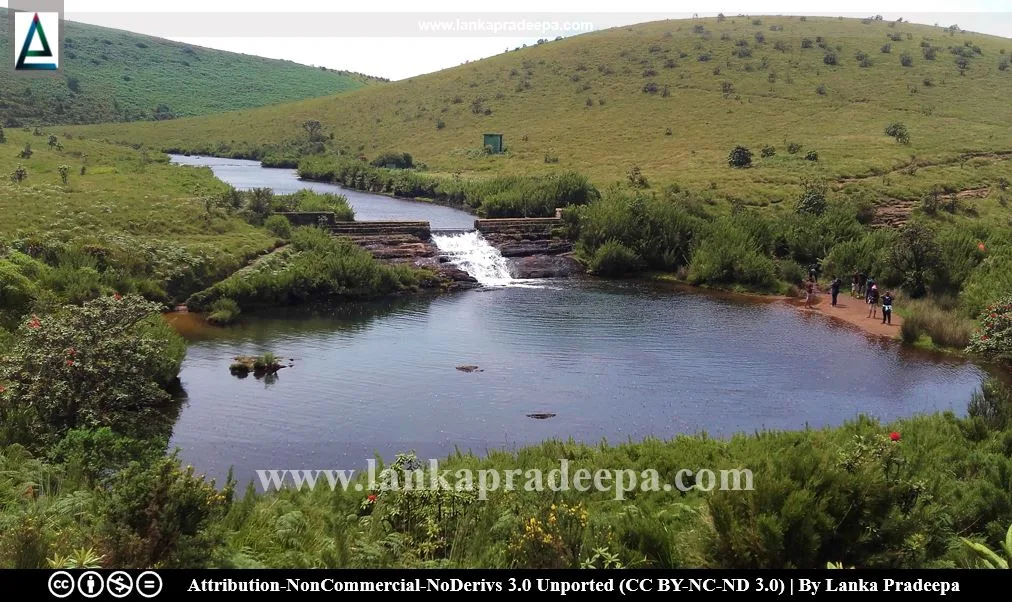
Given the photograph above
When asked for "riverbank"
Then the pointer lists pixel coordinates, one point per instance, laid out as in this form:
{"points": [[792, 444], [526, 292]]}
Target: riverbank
{"points": [[853, 311]]}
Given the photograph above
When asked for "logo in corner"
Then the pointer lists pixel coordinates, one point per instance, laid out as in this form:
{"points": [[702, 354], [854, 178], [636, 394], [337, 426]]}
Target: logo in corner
{"points": [[32, 33]]}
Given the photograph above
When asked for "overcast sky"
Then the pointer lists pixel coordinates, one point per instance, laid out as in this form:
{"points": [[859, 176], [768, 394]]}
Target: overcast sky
{"points": [[396, 38]]}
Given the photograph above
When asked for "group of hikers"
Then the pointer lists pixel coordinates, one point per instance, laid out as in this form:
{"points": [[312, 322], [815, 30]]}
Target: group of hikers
{"points": [[861, 286]]}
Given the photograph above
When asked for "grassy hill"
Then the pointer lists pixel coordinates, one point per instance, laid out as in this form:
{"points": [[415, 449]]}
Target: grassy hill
{"points": [[112, 75], [673, 98]]}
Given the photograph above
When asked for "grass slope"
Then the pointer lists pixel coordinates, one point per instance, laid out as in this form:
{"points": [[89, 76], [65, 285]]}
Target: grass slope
{"points": [[113, 75], [587, 102]]}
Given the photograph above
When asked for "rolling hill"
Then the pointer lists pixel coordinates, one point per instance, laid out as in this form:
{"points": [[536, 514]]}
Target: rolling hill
{"points": [[673, 98], [112, 75]]}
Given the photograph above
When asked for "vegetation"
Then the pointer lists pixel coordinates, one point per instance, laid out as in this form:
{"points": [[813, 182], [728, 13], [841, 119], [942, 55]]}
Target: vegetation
{"points": [[316, 267], [112, 75], [994, 340]]}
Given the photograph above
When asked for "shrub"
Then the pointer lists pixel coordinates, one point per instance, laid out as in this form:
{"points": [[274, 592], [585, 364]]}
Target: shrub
{"points": [[811, 156], [767, 151], [393, 160], [650, 88], [279, 226], [739, 157], [886, 48], [929, 52], [813, 198], [916, 257], [440, 124], [793, 148], [992, 405], [103, 363], [223, 311], [906, 60], [830, 58], [614, 259], [994, 339], [820, 89], [898, 131], [1003, 64], [806, 42], [728, 254], [19, 175], [64, 171], [26, 152], [3, 137], [727, 89], [791, 271]]}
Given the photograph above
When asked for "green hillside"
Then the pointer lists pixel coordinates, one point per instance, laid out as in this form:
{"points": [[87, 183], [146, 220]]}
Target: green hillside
{"points": [[112, 75], [673, 98]]}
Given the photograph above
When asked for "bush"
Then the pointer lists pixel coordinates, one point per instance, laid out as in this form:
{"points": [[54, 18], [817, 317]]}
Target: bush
{"points": [[992, 405], [813, 198], [906, 60], [614, 259], [739, 157], [793, 148], [19, 175], [994, 339], [811, 156], [791, 272], [728, 254], [898, 131], [886, 48], [223, 311], [916, 257], [830, 58], [806, 42], [767, 151], [929, 52], [393, 160], [279, 226], [100, 364], [820, 89]]}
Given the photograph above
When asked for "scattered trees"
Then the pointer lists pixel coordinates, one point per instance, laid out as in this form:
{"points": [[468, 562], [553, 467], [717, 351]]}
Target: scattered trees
{"points": [[740, 157]]}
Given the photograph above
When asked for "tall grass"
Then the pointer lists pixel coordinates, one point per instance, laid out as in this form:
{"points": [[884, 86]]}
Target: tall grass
{"points": [[945, 328]]}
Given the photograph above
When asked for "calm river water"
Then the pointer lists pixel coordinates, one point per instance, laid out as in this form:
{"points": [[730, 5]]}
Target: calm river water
{"points": [[612, 360]]}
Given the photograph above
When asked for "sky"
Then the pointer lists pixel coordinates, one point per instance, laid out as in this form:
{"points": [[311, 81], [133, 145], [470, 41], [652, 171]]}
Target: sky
{"points": [[397, 39]]}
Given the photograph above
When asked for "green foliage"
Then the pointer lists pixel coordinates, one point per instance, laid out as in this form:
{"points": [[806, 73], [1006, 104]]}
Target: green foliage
{"points": [[793, 148], [308, 200], [100, 364], [394, 160], [279, 226], [316, 268], [945, 328], [811, 156], [994, 339], [614, 259], [813, 197], [64, 174], [916, 257], [898, 131], [133, 76], [992, 405], [19, 175], [767, 151], [739, 157], [728, 254], [223, 311]]}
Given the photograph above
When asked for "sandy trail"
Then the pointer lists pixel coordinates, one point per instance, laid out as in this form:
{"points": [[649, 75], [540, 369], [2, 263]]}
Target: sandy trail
{"points": [[853, 311]]}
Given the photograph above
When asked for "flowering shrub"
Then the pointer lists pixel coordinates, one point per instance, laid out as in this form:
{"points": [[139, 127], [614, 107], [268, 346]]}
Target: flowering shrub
{"points": [[553, 540], [101, 364], [994, 339]]}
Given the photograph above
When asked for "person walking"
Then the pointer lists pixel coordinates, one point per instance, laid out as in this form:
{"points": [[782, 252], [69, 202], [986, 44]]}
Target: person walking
{"points": [[873, 301], [810, 295], [813, 270], [887, 308], [855, 284], [870, 284], [834, 288]]}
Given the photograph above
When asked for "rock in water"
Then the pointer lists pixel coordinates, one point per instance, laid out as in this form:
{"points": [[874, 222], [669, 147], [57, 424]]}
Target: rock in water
{"points": [[469, 368], [541, 415]]}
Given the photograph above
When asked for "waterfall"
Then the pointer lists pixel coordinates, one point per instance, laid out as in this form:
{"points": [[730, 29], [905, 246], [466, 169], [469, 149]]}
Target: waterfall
{"points": [[472, 253]]}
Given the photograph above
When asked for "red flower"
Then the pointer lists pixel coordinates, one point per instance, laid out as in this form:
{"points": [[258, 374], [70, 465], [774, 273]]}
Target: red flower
{"points": [[70, 362], [371, 497], [894, 436], [71, 351], [2, 388], [117, 296], [34, 322], [981, 246]]}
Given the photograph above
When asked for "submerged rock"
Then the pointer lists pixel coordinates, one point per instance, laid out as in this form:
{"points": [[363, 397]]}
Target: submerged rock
{"points": [[541, 415], [546, 266], [469, 368]]}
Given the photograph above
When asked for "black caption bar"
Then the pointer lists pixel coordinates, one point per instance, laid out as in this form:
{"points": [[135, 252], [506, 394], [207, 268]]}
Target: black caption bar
{"points": [[285, 584]]}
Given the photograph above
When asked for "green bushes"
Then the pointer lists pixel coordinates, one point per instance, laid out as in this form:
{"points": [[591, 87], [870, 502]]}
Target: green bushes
{"points": [[223, 311], [500, 196], [739, 157], [614, 259], [727, 254], [393, 160], [898, 131], [994, 339], [308, 200], [279, 226], [100, 364], [317, 267]]}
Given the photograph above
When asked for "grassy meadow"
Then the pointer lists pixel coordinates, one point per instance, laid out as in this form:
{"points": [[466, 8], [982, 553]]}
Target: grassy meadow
{"points": [[114, 75], [673, 98]]}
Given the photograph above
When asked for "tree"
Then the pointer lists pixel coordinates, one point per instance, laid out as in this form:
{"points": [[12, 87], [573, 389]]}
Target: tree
{"points": [[104, 363], [314, 130], [813, 198], [26, 152], [64, 173], [916, 256], [20, 174], [53, 141], [740, 157]]}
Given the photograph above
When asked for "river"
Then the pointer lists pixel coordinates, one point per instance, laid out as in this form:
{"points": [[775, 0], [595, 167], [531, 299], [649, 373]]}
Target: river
{"points": [[614, 361]]}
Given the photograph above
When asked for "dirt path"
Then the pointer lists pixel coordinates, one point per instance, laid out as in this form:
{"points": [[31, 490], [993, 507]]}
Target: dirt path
{"points": [[852, 311]]}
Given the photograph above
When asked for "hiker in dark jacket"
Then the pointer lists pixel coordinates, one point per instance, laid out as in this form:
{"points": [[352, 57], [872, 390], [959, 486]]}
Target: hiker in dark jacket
{"points": [[834, 288], [873, 301], [887, 308]]}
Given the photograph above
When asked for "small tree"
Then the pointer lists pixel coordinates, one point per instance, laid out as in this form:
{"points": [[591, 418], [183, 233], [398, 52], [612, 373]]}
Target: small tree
{"points": [[813, 198], [830, 58], [314, 130], [767, 151], [53, 141], [26, 152], [64, 173], [740, 157], [898, 131], [906, 60], [793, 148], [811, 156], [916, 256], [20, 174]]}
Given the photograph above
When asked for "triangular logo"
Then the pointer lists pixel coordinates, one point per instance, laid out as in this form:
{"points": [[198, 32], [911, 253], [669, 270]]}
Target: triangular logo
{"points": [[35, 29]]}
